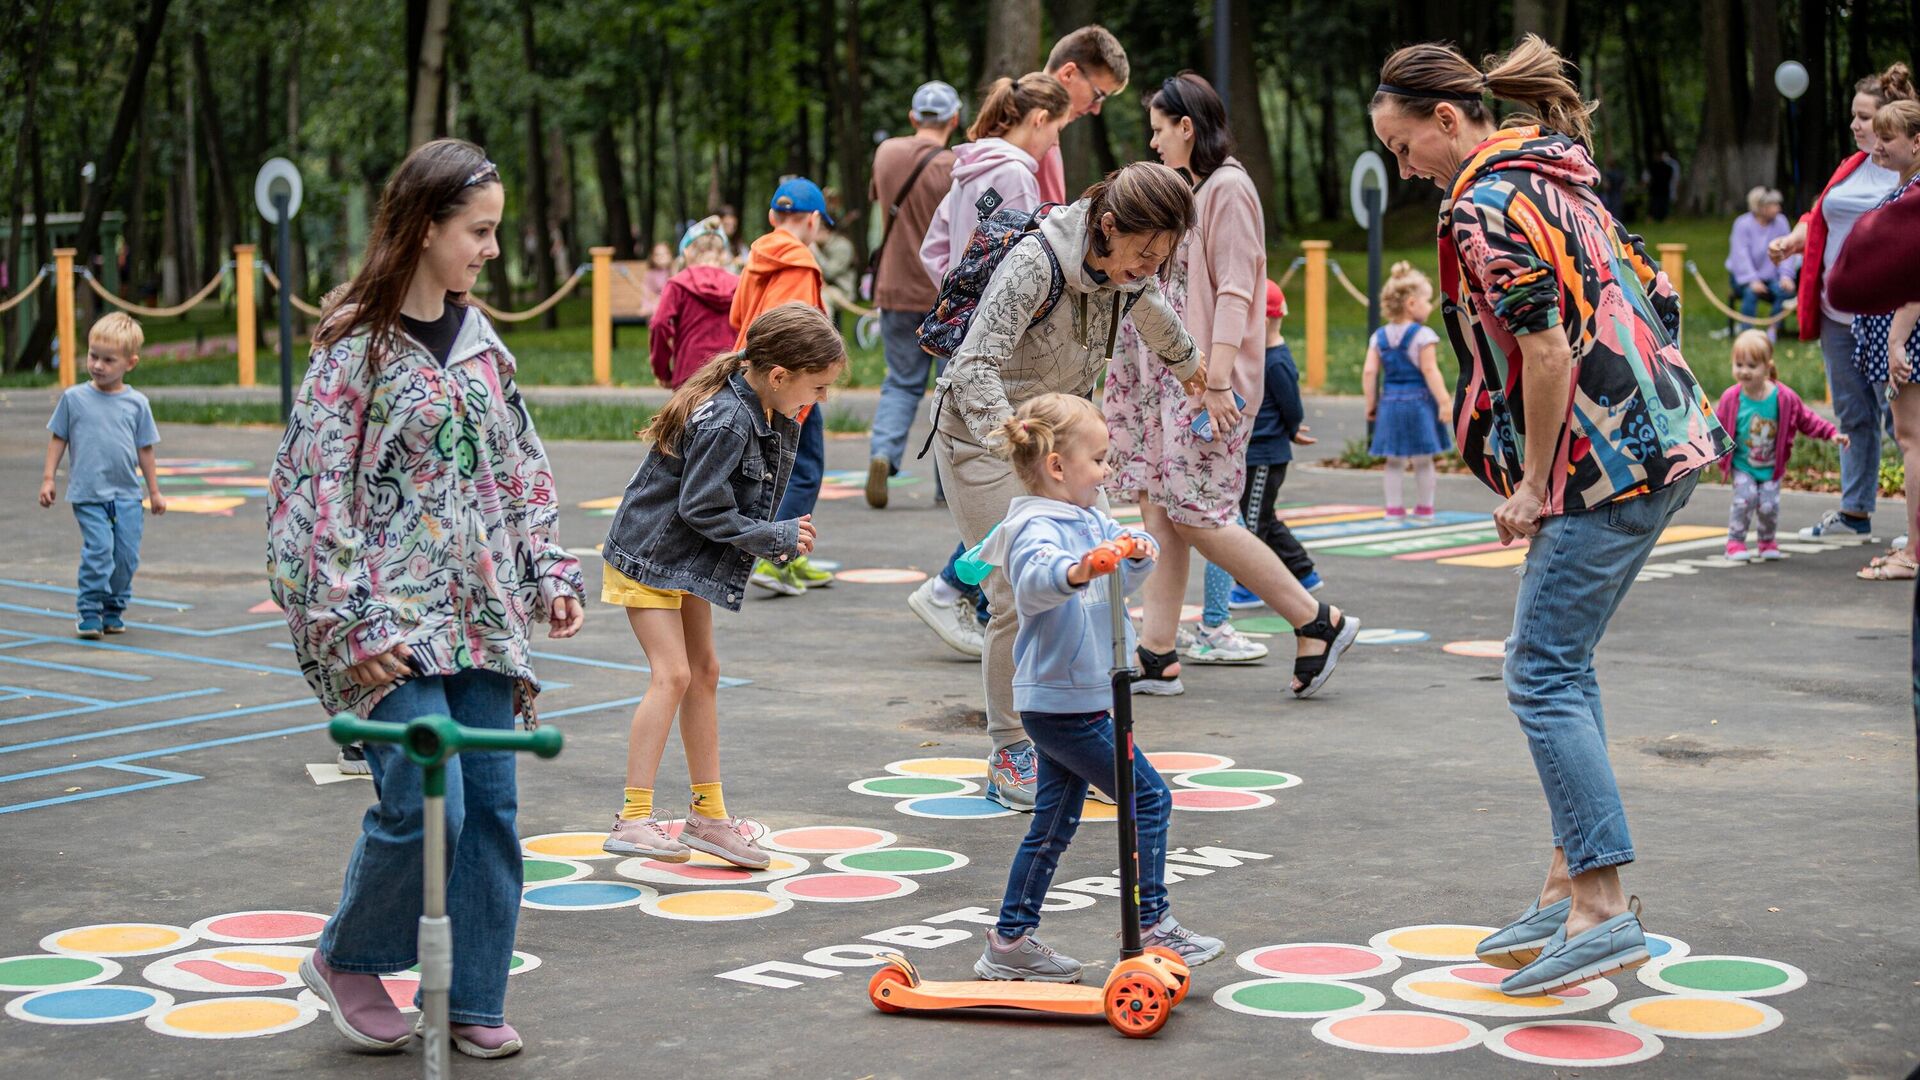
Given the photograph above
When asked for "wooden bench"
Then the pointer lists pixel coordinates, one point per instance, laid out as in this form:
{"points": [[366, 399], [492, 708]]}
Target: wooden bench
{"points": [[626, 299]]}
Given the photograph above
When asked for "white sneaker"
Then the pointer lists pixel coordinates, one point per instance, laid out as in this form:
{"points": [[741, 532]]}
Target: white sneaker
{"points": [[1222, 645], [954, 622]]}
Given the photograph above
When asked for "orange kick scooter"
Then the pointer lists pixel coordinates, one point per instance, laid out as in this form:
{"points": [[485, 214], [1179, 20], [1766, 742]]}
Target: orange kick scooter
{"points": [[1140, 992]]}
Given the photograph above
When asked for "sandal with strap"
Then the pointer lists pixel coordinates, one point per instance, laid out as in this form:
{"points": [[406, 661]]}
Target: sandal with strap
{"points": [[1897, 567], [1314, 671]]}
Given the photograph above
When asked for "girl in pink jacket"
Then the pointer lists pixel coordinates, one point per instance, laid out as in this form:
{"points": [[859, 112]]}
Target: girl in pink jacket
{"points": [[1762, 415], [1019, 121]]}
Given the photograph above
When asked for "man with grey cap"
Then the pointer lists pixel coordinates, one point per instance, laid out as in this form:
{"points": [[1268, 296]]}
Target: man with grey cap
{"points": [[911, 174]]}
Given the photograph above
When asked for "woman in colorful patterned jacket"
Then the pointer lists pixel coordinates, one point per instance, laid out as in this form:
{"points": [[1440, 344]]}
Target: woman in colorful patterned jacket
{"points": [[1574, 405], [410, 540]]}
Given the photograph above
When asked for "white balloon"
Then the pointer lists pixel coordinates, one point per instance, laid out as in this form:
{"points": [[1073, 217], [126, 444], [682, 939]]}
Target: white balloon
{"points": [[1790, 79]]}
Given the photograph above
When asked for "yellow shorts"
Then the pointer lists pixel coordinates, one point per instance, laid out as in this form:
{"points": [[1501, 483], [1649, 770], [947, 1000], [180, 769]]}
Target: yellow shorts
{"points": [[618, 588]]}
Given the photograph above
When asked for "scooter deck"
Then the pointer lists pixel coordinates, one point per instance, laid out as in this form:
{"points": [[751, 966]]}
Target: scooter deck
{"points": [[1066, 999]]}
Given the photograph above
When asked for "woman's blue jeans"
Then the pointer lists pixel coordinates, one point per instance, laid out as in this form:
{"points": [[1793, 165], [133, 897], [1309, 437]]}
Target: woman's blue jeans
{"points": [[1578, 570], [374, 931]]}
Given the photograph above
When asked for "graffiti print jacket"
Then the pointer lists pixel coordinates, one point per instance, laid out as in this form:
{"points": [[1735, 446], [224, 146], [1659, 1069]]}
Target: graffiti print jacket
{"points": [[412, 502], [1525, 245]]}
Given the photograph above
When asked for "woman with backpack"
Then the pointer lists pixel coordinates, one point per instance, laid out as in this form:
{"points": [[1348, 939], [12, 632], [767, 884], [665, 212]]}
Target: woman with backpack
{"points": [[1188, 483]]}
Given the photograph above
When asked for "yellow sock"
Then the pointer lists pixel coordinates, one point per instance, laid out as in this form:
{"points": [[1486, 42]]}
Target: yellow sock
{"points": [[707, 801], [639, 804]]}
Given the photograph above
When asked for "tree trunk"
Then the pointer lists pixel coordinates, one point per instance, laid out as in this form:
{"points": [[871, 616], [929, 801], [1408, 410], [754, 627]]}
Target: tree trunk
{"points": [[1013, 38], [1076, 141], [1762, 142], [930, 42], [1249, 117], [499, 283], [854, 159], [539, 206], [1816, 163], [297, 253], [186, 189], [1329, 184], [226, 209], [613, 190], [428, 81], [1548, 18], [681, 206], [647, 149], [28, 151], [1709, 184]]}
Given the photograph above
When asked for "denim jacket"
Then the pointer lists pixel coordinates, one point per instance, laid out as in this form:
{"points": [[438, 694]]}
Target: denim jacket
{"points": [[698, 520]]}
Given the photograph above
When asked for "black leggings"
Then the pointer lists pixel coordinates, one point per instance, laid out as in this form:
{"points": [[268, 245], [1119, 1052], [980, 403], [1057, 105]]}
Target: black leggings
{"points": [[1257, 501]]}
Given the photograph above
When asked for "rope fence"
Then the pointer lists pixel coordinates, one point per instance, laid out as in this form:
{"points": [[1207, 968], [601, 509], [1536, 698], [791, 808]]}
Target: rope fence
{"points": [[538, 309], [1292, 268], [299, 305], [128, 306], [1713, 297], [1341, 276], [20, 297], [835, 298]]}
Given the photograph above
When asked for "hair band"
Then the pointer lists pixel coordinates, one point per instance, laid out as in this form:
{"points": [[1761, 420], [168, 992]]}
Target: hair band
{"points": [[487, 171], [1435, 95]]}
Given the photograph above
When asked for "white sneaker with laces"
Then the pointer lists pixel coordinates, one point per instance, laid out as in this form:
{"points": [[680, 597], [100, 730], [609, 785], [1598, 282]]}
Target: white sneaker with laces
{"points": [[954, 622], [1222, 645]]}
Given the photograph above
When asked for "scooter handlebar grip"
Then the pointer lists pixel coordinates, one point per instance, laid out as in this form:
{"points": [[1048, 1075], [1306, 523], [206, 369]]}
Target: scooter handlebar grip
{"points": [[347, 728]]}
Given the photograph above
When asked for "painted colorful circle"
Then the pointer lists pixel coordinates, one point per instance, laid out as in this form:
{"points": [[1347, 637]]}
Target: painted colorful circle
{"points": [[1170, 762], [705, 869], [1724, 976], [1264, 624], [118, 939], [1380, 635], [899, 862], [1661, 947], [102, 1003], [270, 927], [882, 576], [1697, 1016], [1432, 941], [1395, 1031], [1238, 779], [956, 768], [230, 969], [716, 905], [232, 1018], [567, 845], [1486, 650], [843, 888], [953, 806], [1474, 990], [40, 971], [828, 839], [1297, 999], [907, 787], [1188, 612], [585, 896], [1216, 800], [1579, 1043], [549, 871], [1096, 810], [1318, 960], [522, 963]]}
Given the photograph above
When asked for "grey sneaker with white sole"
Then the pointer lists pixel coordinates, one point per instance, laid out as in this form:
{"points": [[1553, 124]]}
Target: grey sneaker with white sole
{"points": [[1024, 959]]}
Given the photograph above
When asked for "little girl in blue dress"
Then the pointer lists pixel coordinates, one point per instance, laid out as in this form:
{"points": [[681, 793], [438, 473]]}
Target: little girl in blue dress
{"points": [[1407, 411]]}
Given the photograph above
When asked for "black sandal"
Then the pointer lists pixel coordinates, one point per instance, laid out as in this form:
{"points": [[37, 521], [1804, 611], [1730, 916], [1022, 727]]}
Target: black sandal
{"points": [[1153, 678], [1314, 671]]}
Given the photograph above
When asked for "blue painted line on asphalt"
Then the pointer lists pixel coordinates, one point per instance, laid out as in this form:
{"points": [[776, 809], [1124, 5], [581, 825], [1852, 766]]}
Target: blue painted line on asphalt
{"points": [[143, 755], [163, 778], [105, 706], [133, 729], [171, 605], [29, 692], [74, 669], [184, 631], [588, 661]]}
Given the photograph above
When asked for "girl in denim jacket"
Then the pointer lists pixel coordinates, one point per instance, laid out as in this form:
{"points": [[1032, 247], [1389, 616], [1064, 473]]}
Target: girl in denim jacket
{"points": [[691, 523]]}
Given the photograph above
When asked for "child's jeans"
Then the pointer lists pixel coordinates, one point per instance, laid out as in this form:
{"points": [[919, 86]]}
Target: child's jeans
{"points": [[374, 930], [1754, 500], [109, 554], [1077, 749]]}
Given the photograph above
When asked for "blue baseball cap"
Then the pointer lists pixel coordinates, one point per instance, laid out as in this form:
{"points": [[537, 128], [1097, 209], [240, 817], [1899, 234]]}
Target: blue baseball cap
{"points": [[799, 196]]}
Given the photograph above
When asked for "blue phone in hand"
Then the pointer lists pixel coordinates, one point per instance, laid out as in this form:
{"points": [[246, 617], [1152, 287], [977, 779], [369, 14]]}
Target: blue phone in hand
{"points": [[1202, 424]]}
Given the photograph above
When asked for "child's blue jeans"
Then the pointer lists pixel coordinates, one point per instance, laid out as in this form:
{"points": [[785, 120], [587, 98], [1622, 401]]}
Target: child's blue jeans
{"points": [[109, 554], [1076, 749]]}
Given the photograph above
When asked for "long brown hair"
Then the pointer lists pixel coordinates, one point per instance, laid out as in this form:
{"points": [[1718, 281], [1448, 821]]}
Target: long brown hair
{"points": [[428, 188], [1144, 197], [1532, 76], [796, 336], [1008, 102]]}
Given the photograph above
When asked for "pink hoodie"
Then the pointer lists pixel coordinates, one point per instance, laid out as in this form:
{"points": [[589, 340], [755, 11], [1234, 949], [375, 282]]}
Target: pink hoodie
{"points": [[989, 163], [1795, 418]]}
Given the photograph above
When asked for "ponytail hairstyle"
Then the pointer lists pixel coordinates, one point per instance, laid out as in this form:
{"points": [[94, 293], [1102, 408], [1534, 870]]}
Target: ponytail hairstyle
{"points": [[1039, 428], [1402, 285], [796, 336], [1417, 78], [1891, 85], [1144, 197], [430, 186], [1010, 101], [1189, 95]]}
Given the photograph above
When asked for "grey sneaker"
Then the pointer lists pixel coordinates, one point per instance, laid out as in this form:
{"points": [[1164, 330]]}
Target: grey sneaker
{"points": [[1619, 944], [646, 837], [1520, 942], [1195, 949], [1012, 773], [1024, 958], [1222, 645], [731, 839]]}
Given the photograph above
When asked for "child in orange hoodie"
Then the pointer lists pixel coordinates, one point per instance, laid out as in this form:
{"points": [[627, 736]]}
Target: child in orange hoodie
{"points": [[781, 270]]}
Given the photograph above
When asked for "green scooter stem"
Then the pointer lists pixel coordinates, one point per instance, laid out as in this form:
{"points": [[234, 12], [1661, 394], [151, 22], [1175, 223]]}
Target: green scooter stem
{"points": [[429, 741]]}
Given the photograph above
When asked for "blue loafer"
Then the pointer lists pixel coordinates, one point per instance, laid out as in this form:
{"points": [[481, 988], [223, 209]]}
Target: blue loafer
{"points": [[1521, 941], [1616, 945]]}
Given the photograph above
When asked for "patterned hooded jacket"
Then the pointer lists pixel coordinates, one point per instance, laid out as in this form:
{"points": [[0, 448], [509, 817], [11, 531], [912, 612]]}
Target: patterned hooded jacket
{"points": [[413, 502], [1525, 245]]}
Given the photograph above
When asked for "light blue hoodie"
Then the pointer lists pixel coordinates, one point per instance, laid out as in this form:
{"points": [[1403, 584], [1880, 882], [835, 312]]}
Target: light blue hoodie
{"points": [[1063, 651]]}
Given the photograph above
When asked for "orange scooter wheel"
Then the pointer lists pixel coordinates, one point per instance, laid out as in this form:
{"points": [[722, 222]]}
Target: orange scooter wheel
{"points": [[881, 987], [1172, 968], [1138, 1005]]}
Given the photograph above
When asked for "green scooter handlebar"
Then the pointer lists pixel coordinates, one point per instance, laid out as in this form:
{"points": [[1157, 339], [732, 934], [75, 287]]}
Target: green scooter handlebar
{"points": [[431, 740]]}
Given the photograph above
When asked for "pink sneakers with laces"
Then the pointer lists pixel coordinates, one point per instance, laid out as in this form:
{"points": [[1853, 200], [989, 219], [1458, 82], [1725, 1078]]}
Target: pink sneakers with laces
{"points": [[731, 839]]}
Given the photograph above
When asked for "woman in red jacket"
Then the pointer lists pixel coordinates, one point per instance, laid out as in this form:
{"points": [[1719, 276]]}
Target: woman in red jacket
{"points": [[1857, 186], [690, 326]]}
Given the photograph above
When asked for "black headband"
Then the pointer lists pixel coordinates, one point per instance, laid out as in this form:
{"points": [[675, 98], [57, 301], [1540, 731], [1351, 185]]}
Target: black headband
{"points": [[1437, 95]]}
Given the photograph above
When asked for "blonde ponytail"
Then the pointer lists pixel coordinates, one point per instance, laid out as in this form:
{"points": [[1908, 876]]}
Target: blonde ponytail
{"points": [[1037, 429]]}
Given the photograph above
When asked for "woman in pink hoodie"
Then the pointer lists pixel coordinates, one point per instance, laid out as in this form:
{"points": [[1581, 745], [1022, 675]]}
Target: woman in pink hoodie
{"points": [[691, 324], [1019, 121]]}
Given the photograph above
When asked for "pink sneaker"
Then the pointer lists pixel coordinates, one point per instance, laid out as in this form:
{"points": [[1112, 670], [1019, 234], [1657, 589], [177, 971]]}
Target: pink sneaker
{"points": [[1737, 551], [646, 837], [1396, 511], [485, 1042], [731, 839], [1423, 512], [361, 1009], [1770, 551]]}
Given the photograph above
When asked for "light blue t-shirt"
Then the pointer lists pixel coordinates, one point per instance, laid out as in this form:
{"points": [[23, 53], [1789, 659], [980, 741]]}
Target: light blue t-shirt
{"points": [[104, 434]]}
